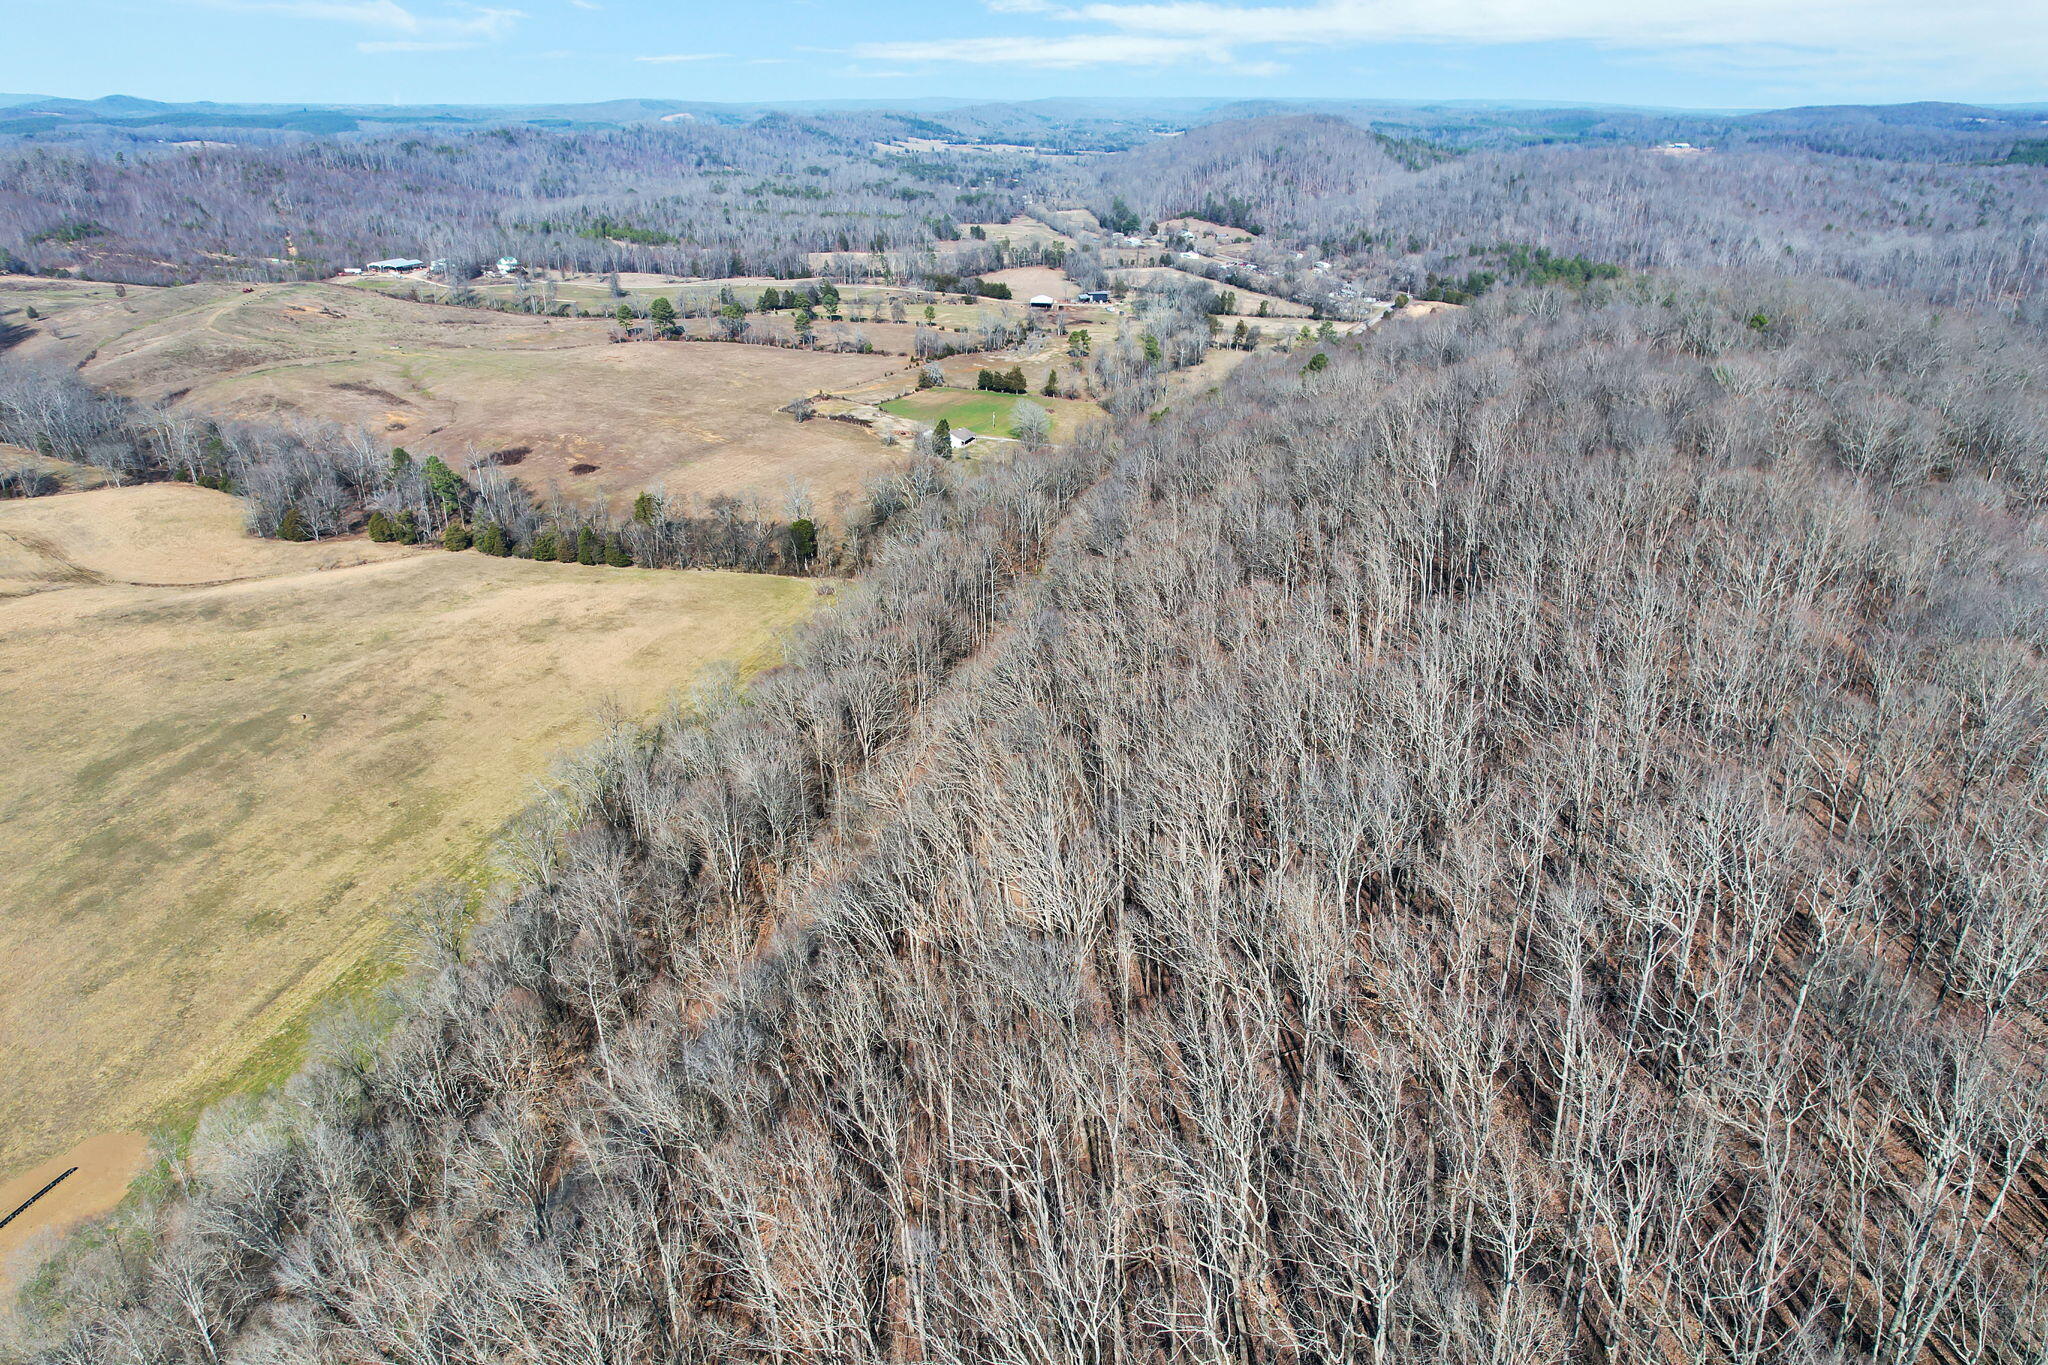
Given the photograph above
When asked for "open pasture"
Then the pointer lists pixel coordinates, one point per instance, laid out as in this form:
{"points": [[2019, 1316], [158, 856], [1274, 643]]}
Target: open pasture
{"points": [[465, 382], [245, 753]]}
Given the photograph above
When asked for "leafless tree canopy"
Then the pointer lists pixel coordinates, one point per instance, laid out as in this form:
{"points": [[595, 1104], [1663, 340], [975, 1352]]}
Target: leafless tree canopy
{"points": [[1525, 842]]}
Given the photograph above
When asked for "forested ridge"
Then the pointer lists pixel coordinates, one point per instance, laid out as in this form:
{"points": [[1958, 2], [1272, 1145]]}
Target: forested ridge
{"points": [[1523, 844], [1939, 231]]}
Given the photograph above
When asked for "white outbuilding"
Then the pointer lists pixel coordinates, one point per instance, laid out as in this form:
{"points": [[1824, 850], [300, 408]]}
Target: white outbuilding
{"points": [[1043, 301]]}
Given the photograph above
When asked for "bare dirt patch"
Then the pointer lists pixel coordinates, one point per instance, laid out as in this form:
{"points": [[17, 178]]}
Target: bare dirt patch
{"points": [[105, 1164]]}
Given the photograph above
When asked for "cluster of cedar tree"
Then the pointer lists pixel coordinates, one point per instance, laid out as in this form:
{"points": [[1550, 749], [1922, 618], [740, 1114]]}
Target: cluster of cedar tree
{"points": [[1002, 381]]}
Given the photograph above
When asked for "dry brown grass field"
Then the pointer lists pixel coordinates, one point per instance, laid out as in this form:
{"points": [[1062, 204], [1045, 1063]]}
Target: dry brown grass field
{"points": [[1027, 280], [1248, 299], [71, 476], [459, 382], [1021, 231], [244, 753]]}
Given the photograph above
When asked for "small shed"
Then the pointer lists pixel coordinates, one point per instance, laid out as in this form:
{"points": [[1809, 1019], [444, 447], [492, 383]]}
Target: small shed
{"points": [[1042, 301], [507, 264], [1095, 296], [962, 438]]}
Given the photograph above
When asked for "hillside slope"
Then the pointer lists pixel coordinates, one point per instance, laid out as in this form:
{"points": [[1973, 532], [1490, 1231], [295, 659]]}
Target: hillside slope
{"points": [[1522, 846]]}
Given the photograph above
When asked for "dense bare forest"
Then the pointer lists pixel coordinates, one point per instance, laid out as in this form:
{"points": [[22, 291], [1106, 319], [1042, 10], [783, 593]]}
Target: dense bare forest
{"points": [[707, 200], [1947, 233], [1931, 208], [1520, 840]]}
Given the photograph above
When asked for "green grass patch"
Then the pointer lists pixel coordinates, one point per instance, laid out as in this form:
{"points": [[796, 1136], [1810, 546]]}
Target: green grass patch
{"points": [[988, 414]]}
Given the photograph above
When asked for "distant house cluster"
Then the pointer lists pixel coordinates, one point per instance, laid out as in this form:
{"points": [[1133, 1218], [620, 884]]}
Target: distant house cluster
{"points": [[405, 265]]}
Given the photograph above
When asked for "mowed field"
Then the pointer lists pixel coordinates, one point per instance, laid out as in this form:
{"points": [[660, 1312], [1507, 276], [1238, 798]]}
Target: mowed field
{"points": [[230, 759], [988, 414], [459, 382]]}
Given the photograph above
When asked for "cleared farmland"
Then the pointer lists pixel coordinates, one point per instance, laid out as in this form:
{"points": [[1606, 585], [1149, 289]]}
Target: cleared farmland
{"points": [[244, 752], [702, 419]]}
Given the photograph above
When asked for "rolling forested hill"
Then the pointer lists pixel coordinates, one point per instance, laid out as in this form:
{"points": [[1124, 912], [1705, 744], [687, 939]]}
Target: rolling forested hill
{"points": [[1514, 834], [1520, 845]]}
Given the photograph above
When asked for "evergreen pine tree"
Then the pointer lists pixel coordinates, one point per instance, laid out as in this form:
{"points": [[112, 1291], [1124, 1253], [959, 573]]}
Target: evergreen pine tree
{"points": [[942, 439], [1016, 378], [490, 540], [624, 317], [587, 546], [1052, 383], [663, 315], [828, 299], [380, 528], [644, 509], [803, 540], [543, 546], [292, 526], [444, 483], [616, 554], [456, 537]]}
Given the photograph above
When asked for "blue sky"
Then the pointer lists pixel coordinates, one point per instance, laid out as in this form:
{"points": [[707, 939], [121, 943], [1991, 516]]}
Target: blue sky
{"points": [[1701, 54]]}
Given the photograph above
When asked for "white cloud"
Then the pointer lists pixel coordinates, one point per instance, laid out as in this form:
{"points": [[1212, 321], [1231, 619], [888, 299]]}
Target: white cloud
{"points": [[1066, 52], [586, 4], [686, 57], [1954, 44], [413, 45], [1908, 33], [458, 23]]}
